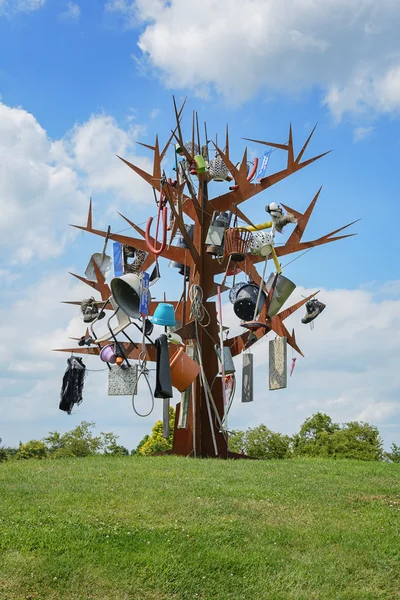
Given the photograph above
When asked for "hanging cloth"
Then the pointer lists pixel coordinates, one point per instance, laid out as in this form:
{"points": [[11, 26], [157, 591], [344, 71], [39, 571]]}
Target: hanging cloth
{"points": [[163, 370], [72, 384]]}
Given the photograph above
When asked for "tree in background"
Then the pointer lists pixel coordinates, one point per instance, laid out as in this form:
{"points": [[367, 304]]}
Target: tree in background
{"points": [[320, 436], [81, 442], [314, 437], [156, 442], [3, 453], [394, 454], [260, 442]]}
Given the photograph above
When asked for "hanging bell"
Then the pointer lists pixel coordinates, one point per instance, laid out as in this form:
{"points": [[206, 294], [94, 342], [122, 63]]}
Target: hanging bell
{"points": [[246, 301], [126, 293], [313, 308]]}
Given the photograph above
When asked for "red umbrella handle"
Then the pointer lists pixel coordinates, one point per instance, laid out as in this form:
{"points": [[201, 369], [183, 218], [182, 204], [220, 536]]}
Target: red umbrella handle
{"points": [[162, 210]]}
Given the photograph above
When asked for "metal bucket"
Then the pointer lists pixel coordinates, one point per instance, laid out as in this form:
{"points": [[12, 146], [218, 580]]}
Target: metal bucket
{"points": [[246, 301]]}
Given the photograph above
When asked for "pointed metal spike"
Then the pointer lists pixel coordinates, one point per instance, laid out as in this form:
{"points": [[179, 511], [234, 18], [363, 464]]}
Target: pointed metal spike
{"points": [[299, 157], [298, 231], [272, 144], [89, 224], [290, 160], [146, 146], [310, 160]]}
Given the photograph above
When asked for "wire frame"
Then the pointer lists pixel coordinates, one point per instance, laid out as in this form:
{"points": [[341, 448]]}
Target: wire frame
{"points": [[237, 243]]}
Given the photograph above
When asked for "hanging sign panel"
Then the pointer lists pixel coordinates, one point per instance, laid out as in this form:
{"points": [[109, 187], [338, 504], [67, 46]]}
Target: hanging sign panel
{"points": [[144, 294], [278, 363]]}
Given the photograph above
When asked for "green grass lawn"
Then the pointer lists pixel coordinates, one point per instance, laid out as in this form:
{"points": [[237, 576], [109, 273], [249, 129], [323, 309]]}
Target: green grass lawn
{"points": [[172, 528]]}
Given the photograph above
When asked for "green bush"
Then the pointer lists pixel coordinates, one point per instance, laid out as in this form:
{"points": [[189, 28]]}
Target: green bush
{"points": [[80, 442], [260, 442], [32, 449], [156, 442]]}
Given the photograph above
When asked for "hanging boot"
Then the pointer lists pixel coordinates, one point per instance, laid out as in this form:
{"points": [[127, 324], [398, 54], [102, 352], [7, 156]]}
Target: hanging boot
{"points": [[89, 310], [313, 308]]}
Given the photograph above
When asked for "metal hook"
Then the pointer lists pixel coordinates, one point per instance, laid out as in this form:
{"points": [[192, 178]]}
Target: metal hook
{"points": [[162, 210]]}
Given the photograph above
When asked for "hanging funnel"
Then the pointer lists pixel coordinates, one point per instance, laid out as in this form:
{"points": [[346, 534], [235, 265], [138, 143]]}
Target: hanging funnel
{"points": [[283, 289]]}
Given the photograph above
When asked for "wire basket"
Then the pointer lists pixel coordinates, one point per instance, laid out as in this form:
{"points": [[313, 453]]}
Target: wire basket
{"points": [[237, 243]]}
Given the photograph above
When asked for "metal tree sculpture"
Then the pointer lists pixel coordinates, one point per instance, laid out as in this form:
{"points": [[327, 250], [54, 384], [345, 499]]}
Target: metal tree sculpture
{"points": [[199, 438]]}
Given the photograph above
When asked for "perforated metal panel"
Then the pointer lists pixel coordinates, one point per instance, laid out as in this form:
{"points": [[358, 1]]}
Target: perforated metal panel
{"points": [[278, 363], [122, 380]]}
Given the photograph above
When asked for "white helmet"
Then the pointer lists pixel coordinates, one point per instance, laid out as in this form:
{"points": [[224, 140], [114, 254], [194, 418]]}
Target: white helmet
{"points": [[273, 209], [261, 243]]}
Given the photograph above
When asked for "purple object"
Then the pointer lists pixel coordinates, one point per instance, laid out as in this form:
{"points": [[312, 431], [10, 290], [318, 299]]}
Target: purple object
{"points": [[107, 354]]}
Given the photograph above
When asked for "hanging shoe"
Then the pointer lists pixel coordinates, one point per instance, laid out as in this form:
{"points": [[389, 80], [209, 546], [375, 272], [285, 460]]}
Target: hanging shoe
{"points": [[313, 309]]}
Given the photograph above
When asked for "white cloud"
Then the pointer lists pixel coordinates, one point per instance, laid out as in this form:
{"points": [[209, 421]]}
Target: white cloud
{"points": [[45, 184], [346, 48], [362, 133], [72, 12], [9, 7]]}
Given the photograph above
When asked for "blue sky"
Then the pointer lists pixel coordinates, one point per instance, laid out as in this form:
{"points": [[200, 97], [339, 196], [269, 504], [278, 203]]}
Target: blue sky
{"points": [[80, 83]]}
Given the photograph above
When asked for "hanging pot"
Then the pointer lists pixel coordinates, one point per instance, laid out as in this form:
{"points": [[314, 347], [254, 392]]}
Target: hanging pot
{"points": [[126, 293], [262, 243], [246, 301], [283, 289], [237, 242], [184, 370], [107, 354], [164, 315], [217, 169]]}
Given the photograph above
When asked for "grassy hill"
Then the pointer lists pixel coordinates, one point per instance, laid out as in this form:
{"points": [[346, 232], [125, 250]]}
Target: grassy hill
{"points": [[170, 528]]}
